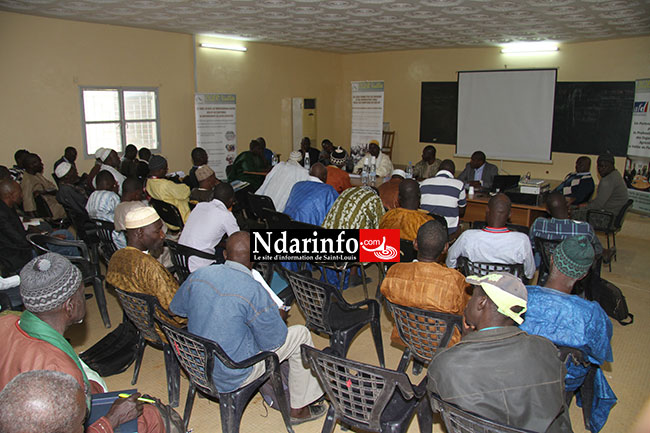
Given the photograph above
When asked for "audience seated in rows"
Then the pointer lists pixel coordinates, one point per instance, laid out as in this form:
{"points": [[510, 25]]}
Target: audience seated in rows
{"points": [[103, 201], [478, 173], [336, 174], [52, 291], [208, 224], [425, 283], [389, 191], [35, 183], [443, 195], [383, 164], [310, 200], [281, 179], [497, 370], [129, 162], [199, 159], [611, 194], [569, 320], [71, 194], [428, 166], [207, 180], [495, 243], [247, 163], [408, 217], [163, 189], [225, 304], [578, 186]]}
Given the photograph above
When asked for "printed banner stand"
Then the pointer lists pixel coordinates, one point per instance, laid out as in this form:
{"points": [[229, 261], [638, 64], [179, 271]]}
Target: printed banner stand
{"points": [[367, 116], [216, 126], [637, 165]]}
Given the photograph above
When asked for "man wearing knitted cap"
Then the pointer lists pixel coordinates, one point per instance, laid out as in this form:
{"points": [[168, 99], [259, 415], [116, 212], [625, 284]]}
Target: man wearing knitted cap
{"points": [[569, 320], [206, 181], [336, 175], [53, 294], [282, 178], [497, 370], [134, 269], [163, 189]]}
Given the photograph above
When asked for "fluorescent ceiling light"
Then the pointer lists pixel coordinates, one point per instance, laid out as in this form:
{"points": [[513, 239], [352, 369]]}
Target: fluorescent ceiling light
{"points": [[224, 47], [529, 47]]}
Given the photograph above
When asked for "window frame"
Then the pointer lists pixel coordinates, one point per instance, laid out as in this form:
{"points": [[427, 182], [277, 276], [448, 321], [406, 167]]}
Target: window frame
{"points": [[122, 120]]}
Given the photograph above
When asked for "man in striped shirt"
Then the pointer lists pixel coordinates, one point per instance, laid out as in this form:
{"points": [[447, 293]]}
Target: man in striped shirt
{"points": [[444, 195]]}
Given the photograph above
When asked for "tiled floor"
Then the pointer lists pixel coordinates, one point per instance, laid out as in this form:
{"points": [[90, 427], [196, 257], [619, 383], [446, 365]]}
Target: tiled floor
{"points": [[629, 374]]}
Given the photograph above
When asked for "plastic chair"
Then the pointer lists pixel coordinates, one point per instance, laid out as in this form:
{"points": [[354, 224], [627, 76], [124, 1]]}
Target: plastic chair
{"points": [[197, 356], [180, 255], [467, 268], [608, 223], [104, 230], [545, 249], [140, 310], [327, 312], [267, 269], [89, 271], [43, 211], [274, 219], [424, 332], [257, 204], [364, 396], [168, 213], [459, 421], [387, 140]]}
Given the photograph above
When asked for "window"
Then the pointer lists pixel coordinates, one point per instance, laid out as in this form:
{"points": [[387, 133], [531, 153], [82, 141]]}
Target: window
{"points": [[114, 117]]}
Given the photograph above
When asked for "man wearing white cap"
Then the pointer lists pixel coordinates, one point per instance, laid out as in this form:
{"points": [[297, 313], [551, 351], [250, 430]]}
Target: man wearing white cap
{"points": [[282, 178], [111, 162], [497, 370], [206, 181], [70, 195], [134, 269]]}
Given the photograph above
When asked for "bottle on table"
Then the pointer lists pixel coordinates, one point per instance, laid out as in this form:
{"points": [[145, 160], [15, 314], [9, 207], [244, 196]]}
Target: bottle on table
{"points": [[409, 171], [372, 173], [306, 162], [364, 172]]}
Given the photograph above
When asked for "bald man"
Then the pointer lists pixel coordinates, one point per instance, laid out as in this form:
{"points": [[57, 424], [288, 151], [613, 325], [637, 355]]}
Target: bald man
{"points": [[225, 304], [495, 243], [310, 200]]}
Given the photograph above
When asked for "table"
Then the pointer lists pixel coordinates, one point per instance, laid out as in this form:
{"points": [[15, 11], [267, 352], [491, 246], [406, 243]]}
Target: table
{"points": [[521, 214]]}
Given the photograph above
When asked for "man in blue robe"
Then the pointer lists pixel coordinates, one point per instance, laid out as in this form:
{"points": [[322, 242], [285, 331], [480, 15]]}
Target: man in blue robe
{"points": [[310, 200]]}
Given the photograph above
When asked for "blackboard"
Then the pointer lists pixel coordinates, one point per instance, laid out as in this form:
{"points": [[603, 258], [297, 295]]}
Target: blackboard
{"points": [[439, 112], [592, 118]]}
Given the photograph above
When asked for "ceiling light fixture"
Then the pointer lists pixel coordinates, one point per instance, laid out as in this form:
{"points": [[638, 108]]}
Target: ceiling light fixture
{"points": [[224, 47], [529, 47]]}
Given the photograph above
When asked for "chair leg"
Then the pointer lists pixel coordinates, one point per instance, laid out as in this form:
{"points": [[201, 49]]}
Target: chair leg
{"points": [[404, 362], [330, 421], [425, 415], [100, 296], [375, 327], [138, 357], [614, 238], [229, 419], [285, 409], [173, 375], [189, 402], [417, 367], [363, 280]]}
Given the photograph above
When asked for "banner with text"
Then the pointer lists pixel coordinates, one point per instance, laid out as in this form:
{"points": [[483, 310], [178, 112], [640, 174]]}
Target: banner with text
{"points": [[637, 165], [367, 116], [216, 126]]}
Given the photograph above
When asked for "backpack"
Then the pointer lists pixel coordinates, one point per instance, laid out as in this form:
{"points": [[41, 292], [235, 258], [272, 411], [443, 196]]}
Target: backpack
{"points": [[115, 352], [611, 299], [171, 419]]}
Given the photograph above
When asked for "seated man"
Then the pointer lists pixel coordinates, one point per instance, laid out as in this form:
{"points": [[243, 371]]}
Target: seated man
{"points": [[478, 173], [43, 401], [132, 198], [111, 162], [199, 159], [102, 203], [142, 169], [16, 250], [129, 162], [18, 169], [578, 187], [206, 179], [408, 217], [160, 188], [428, 166], [53, 294], [611, 194], [281, 179], [389, 191], [209, 223], [445, 196], [569, 320], [305, 148], [495, 243], [425, 283], [268, 153], [225, 304], [70, 194], [134, 269], [497, 370], [35, 183], [325, 155], [383, 165], [69, 156], [310, 200], [336, 174], [247, 163]]}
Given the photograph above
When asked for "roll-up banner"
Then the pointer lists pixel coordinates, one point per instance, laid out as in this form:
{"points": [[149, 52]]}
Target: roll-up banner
{"points": [[216, 129], [637, 165], [367, 116]]}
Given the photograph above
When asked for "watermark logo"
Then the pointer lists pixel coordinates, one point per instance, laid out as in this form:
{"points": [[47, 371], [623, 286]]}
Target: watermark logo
{"points": [[379, 245]]}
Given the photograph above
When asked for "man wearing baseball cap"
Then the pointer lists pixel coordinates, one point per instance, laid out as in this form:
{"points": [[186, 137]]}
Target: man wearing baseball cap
{"points": [[497, 370], [571, 321]]}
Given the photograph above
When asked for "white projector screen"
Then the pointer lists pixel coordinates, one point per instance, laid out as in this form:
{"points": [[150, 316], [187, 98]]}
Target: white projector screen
{"points": [[507, 114]]}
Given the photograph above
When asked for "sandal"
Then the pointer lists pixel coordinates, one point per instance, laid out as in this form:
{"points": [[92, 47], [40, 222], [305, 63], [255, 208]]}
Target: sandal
{"points": [[316, 410]]}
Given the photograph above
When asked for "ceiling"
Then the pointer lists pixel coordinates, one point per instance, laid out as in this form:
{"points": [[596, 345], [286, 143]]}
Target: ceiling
{"points": [[349, 26]]}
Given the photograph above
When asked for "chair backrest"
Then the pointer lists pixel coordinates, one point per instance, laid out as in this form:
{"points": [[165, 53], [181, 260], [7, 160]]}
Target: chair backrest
{"points": [[42, 208], [468, 267], [168, 212], [105, 233], [407, 251], [459, 421], [180, 255], [266, 270], [387, 140], [358, 392], [314, 299], [140, 308], [43, 243], [424, 332], [545, 248], [258, 203], [274, 219], [618, 222], [84, 228]]}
